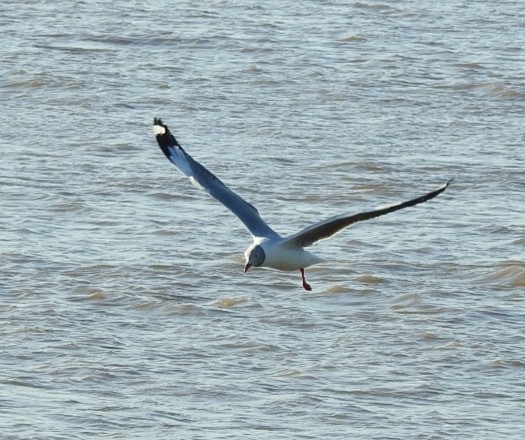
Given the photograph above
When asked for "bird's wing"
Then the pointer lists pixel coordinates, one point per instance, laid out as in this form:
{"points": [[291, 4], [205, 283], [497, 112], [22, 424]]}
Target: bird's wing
{"points": [[333, 225], [204, 179]]}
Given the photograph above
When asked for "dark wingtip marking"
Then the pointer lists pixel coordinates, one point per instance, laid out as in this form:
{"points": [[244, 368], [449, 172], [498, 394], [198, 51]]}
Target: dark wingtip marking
{"points": [[449, 181], [158, 121], [165, 139]]}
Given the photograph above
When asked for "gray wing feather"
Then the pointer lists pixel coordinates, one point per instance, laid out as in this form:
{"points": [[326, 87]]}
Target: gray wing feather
{"points": [[204, 179], [333, 225]]}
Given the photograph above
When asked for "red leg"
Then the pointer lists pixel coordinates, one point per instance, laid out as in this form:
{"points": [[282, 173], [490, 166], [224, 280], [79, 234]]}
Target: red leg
{"points": [[305, 284]]}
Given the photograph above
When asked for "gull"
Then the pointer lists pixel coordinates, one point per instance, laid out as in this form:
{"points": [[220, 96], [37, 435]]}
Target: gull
{"points": [[269, 249]]}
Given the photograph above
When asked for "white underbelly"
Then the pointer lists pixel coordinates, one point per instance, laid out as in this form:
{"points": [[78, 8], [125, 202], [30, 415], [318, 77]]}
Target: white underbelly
{"points": [[290, 259]]}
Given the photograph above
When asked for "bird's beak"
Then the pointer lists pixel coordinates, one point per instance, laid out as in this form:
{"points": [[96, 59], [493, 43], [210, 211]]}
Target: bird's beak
{"points": [[248, 265]]}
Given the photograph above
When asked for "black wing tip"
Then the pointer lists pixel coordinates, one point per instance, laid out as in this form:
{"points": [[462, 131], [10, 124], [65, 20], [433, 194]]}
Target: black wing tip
{"points": [[159, 127], [163, 135], [447, 184], [438, 191]]}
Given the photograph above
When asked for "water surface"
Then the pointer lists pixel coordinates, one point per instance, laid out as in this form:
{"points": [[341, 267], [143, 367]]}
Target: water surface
{"points": [[124, 310]]}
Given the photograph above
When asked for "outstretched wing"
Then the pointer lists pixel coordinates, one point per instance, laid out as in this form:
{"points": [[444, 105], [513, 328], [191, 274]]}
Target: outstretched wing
{"points": [[204, 179], [331, 226]]}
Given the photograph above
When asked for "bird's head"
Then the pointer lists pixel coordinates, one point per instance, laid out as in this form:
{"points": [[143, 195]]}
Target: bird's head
{"points": [[255, 257]]}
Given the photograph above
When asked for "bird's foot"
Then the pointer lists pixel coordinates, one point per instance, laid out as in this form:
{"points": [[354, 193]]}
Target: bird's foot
{"points": [[306, 286]]}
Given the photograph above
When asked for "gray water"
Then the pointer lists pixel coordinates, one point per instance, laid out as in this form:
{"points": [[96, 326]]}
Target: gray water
{"points": [[124, 310]]}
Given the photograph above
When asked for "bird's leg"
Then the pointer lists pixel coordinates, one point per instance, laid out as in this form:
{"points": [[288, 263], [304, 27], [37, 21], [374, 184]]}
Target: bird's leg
{"points": [[305, 284]]}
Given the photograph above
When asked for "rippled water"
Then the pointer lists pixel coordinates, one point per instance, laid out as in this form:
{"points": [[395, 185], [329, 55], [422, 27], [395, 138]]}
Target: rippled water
{"points": [[124, 310]]}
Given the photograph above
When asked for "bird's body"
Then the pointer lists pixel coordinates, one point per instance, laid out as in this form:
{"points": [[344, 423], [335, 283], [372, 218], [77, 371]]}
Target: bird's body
{"points": [[281, 255], [269, 249]]}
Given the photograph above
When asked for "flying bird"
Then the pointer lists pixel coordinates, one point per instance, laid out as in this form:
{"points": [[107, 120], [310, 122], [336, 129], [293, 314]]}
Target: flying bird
{"points": [[269, 249]]}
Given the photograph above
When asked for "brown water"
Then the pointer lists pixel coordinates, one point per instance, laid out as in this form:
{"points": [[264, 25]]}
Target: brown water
{"points": [[124, 311]]}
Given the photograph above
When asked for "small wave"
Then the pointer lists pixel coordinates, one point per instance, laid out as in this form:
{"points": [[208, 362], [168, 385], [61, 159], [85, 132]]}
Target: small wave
{"points": [[501, 91], [336, 289], [494, 90], [96, 296], [382, 8], [469, 65], [227, 303], [72, 49], [512, 275], [352, 38], [369, 279], [407, 300]]}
